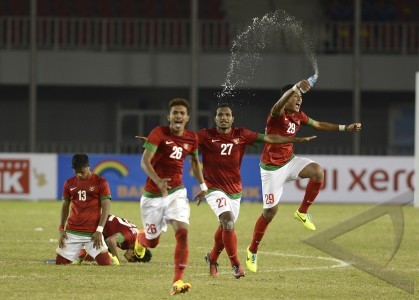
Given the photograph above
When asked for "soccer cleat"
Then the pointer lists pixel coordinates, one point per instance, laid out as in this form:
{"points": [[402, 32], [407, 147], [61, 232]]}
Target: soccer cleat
{"points": [[251, 261], [139, 250], [82, 255], [179, 287], [213, 266], [238, 271], [114, 259], [305, 219], [77, 261]]}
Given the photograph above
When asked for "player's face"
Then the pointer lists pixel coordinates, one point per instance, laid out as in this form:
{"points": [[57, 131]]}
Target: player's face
{"points": [[130, 255], [178, 118], [294, 104], [224, 119], [82, 173]]}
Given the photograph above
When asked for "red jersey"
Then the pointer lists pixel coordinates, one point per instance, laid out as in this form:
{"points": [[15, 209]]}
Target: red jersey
{"points": [[222, 157], [285, 125], [120, 225], [170, 152], [85, 196]]}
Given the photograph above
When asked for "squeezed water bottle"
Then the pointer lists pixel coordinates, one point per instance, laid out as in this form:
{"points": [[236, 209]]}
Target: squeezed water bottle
{"points": [[311, 81]]}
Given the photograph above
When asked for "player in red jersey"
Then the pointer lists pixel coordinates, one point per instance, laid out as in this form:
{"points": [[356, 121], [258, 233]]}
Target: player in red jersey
{"points": [[90, 196], [165, 199], [120, 233], [222, 150], [279, 164]]}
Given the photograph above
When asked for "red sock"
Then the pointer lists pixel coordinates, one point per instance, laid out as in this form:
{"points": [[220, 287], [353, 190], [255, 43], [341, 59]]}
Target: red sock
{"points": [[312, 190], [230, 243], [103, 259], [218, 245], [181, 253], [59, 260], [258, 233], [147, 243]]}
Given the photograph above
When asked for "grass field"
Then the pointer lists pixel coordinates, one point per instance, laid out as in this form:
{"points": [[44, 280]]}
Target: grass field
{"points": [[288, 267]]}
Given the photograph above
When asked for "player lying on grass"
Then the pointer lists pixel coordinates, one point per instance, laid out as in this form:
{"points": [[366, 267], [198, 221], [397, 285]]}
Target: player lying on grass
{"points": [[120, 233]]}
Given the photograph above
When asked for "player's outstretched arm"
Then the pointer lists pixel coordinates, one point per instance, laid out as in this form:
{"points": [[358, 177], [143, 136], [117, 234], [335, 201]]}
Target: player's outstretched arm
{"points": [[279, 139], [141, 138], [325, 126]]}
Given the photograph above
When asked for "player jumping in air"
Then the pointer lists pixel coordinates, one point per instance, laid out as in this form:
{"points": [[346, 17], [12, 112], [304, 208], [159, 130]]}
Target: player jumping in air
{"points": [[279, 164]]}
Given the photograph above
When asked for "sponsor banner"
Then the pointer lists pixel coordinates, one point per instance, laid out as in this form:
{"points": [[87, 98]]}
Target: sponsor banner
{"points": [[351, 179], [28, 176], [358, 179]]}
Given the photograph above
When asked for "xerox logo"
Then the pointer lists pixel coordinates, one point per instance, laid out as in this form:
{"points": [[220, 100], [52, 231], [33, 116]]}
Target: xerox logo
{"points": [[14, 176]]}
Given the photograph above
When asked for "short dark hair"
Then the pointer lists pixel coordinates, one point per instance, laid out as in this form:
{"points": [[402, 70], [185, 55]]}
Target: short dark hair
{"points": [[180, 101], [79, 161], [286, 88], [222, 105]]}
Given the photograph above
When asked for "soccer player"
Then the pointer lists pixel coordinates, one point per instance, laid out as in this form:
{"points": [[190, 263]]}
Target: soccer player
{"points": [[165, 199], [120, 233], [222, 150], [279, 164], [90, 196]]}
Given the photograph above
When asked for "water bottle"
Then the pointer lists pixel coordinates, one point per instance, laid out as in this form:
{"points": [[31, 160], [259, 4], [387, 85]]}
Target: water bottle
{"points": [[311, 81]]}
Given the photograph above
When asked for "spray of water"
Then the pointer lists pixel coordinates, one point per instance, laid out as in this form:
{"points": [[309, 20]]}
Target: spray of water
{"points": [[248, 47]]}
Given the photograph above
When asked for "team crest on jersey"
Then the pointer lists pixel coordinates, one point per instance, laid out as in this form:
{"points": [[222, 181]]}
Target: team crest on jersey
{"points": [[236, 141], [186, 146], [92, 188]]}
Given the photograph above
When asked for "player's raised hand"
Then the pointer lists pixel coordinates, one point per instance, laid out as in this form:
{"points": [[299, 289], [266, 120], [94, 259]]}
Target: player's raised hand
{"points": [[304, 86], [304, 139], [199, 197], [142, 138], [164, 186], [354, 127]]}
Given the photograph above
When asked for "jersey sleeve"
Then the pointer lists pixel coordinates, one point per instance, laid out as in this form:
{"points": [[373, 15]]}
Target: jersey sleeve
{"points": [[153, 139], [251, 136], [194, 150], [305, 120], [66, 192], [105, 191]]}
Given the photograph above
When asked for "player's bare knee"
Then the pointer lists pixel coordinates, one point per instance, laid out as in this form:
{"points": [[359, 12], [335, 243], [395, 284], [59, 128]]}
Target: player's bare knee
{"points": [[229, 225], [269, 214]]}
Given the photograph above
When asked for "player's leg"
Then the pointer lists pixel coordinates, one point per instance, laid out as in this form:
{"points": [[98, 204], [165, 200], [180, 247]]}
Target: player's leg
{"points": [[218, 203], [272, 188], [152, 212], [306, 168], [178, 212], [69, 253], [228, 219], [101, 254]]}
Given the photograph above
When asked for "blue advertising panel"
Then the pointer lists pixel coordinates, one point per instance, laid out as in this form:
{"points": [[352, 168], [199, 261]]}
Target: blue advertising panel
{"points": [[127, 179]]}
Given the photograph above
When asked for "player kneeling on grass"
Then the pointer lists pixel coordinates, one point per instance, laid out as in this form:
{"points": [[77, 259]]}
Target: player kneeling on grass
{"points": [[89, 195], [120, 233]]}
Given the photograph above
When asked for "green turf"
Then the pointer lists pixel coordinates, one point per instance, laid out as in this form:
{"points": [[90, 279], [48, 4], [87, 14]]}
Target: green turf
{"points": [[288, 268]]}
